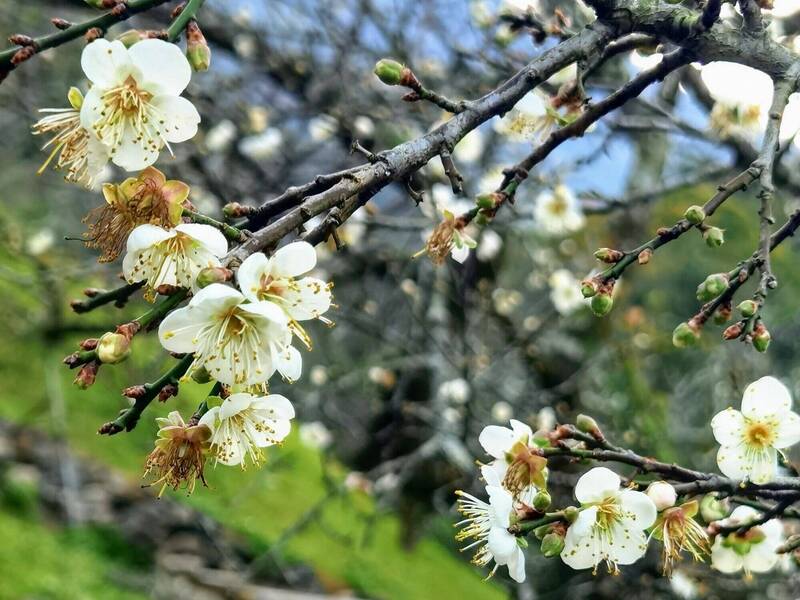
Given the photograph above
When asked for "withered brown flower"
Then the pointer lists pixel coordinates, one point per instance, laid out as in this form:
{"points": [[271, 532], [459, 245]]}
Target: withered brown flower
{"points": [[180, 454], [147, 198]]}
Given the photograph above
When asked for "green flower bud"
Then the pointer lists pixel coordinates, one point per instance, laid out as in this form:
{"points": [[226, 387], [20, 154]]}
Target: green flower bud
{"points": [[75, 98], [761, 338], [542, 530], [571, 514], [695, 214], [389, 71], [197, 51], [211, 275], [485, 201], [97, 3], [714, 237], [540, 440], [130, 37], [113, 348], [201, 375], [481, 219], [234, 210], [541, 501], [713, 509], [722, 315], [748, 308], [609, 255], [602, 304], [586, 424], [588, 288], [685, 335], [713, 286], [552, 544]]}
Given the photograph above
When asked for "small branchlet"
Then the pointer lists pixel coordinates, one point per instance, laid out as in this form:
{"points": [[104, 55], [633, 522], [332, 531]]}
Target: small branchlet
{"points": [[451, 171]]}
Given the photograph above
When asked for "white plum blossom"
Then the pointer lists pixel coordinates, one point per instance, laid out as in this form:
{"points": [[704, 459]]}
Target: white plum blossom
{"points": [[520, 469], [530, 118], [487, 524], [611, 525], [558, 212], [262, 145], [565, 292], [238, 342], [753, 551], [743, 96], [244, 423], [79, 152], [275, 279], [134, 106], [750, 439], [172, 256]]}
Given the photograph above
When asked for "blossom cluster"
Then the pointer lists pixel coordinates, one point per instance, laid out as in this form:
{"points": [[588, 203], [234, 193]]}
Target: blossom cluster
{"points": [[240, 324], [613, 522]]}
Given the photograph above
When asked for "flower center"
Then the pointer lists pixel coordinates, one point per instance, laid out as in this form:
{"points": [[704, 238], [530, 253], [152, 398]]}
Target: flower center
{"points": [[128, 106], [608, 512], [557, 207], [271, 288], [758, 434], [525, 468], [235, 341], [126, 99]]}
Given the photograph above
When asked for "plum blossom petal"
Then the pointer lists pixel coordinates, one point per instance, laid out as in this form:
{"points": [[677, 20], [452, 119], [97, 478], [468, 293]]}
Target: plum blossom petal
{"points": [[765, 398], [596, 484]]}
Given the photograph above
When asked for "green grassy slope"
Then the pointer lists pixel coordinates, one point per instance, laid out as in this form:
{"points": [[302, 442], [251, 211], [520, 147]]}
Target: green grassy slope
{"points": [[348, 547]]}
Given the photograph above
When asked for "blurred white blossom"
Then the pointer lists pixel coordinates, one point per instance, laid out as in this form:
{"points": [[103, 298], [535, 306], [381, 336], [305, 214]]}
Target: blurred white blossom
{"points": [[502, 411], [221, 136], [315, 435], [753, 551], [455, 390], [565, 292], [40, 242], [322, 127], [558, 212], [489, 245], [262, 145]]}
